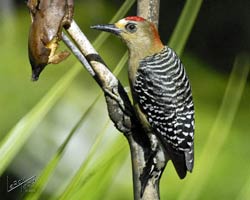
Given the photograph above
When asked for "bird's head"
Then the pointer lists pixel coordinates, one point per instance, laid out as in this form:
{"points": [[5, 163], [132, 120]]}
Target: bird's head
{"points": [[138, 33]]}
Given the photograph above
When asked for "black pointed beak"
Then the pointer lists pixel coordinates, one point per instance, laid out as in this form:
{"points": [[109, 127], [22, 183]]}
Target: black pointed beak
{"points": [[108, 28]]}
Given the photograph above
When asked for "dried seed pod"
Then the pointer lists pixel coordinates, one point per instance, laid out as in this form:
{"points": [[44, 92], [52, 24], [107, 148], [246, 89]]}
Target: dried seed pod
{"points": [[48, 18]]}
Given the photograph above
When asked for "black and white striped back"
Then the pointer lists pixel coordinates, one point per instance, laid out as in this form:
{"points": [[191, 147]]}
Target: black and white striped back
{"points": [[162, 90]]}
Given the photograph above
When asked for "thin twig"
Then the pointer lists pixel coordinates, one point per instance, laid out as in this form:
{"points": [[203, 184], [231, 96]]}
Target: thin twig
{"points": [[78, 54]]}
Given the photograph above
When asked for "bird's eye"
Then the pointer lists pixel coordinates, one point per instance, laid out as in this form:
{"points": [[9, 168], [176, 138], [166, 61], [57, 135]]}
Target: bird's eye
{"points": [[131, 27]]}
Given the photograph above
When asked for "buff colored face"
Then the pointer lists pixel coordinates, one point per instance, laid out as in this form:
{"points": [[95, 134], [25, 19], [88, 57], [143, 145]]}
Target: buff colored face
{"points": [[138, 33], [135, 31]]}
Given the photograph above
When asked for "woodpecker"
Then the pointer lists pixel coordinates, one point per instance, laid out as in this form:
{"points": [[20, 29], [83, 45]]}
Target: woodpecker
{"points": [[160, 88]]}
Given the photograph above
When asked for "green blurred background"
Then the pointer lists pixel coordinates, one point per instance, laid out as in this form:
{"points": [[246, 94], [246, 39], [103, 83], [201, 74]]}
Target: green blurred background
{"points": [[221, 32]]}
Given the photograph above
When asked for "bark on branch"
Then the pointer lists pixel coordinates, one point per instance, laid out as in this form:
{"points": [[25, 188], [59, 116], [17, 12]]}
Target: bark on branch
{"points": [[149, 9], [119, 106], [120, 109]]}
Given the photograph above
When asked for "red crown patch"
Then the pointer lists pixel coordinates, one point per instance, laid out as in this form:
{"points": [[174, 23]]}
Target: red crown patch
{"points": [[135, 18]]}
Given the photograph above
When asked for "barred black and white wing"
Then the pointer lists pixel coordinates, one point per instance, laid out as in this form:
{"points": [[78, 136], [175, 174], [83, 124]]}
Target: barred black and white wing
{"points": [[163, 92]]}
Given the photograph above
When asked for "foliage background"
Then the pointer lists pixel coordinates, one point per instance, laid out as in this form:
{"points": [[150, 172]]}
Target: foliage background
{"points": [[221, 32]]}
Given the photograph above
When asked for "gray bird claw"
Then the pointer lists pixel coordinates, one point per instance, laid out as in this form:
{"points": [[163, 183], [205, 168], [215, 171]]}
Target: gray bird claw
{"points": [[115, 95]]}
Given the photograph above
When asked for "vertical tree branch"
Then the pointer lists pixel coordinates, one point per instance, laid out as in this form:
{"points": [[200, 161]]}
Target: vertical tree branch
{"points": [[149, 9]]}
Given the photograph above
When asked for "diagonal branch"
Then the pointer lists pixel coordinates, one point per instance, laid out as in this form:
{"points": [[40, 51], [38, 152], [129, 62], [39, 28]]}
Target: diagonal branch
{"points": [[120, 108]]}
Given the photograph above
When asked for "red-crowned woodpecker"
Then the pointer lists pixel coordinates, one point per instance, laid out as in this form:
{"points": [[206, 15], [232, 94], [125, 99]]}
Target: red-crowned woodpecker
{"points": [[160, 88]]}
